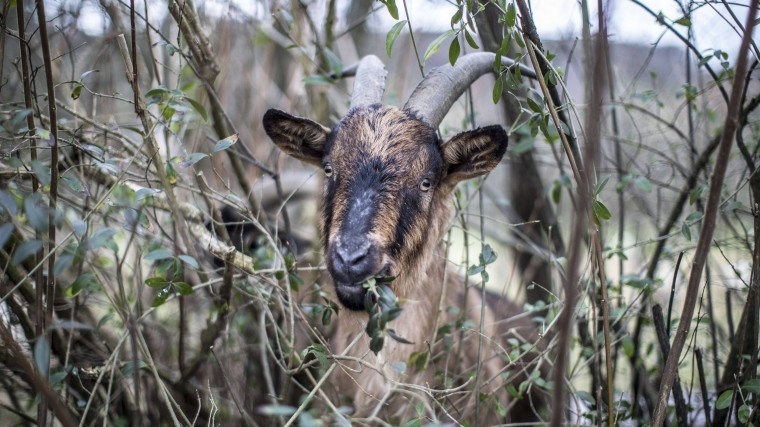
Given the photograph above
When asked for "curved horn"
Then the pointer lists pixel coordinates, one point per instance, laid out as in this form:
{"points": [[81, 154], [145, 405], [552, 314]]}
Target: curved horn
{"points": [[369, 83], [438, 91]]}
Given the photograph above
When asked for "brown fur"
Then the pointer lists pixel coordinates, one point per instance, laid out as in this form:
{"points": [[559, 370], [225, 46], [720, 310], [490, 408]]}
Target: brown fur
{"points": [[408, 152]]}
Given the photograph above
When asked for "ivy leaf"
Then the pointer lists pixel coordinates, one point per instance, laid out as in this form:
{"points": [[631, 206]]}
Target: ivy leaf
{"points": [[393, 34]]}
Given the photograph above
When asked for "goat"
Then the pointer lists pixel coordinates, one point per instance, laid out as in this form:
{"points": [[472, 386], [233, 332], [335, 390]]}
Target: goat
{"points": [[385, 207]]}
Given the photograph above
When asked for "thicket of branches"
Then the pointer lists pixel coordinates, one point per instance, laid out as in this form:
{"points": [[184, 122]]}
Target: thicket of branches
{"points": [[160, 263]]}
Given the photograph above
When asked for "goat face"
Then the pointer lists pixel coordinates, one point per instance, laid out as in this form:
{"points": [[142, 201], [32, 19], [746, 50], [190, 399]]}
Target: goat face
{"points": [[387, 182]]}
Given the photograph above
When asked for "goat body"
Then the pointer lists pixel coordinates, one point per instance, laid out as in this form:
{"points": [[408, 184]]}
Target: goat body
{"points": [[384, 210]]}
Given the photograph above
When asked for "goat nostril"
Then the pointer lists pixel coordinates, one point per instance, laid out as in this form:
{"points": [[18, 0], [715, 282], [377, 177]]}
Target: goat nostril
{"points": [[351, 256]]}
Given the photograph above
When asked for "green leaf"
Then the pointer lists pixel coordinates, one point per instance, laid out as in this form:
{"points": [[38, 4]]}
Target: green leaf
{"points": [[376, 343], [628, 347], [435, 45], [695, 194], [724, 400], [601, 211], [276, 410], [511, 15], [85, 282], [533, 105], [643, 184], [190, 261], [74, 184], [319, 352], [523, 146], [454, 50], [685, 231], [183, 288], [635, 281], [19, 117], [77, 91], [161, 296], [475, 269], [157, 282], [62, 263], [6, 230], [393, 34], [600, 185], [457, 16], [225, 143], [470, 40], [42, 356], [317, 80], [158, 254], [498, 88], [396, 337], [333, 62], [192, 159], [102, 237], [752, 386], [744, 413], [685, 21], [392, 9], [87, 73], [198, 108], [25, 250], [488, 256], [41, 171], [36, 212], [730, 207], [8, 203]]}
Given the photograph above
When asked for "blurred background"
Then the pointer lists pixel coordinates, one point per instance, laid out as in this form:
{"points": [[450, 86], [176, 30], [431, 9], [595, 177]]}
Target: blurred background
{"points": [[128, 217]]}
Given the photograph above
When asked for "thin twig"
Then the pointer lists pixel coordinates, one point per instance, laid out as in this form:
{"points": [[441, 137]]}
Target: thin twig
{"points": [[708, 223]]}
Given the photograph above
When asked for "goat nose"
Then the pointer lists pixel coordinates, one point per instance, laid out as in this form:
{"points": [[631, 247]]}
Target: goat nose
{"points": [[351, 255], [353, 262]]}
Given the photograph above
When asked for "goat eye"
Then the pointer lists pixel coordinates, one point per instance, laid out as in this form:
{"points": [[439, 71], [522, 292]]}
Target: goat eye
{"points": [[425, 185], [328, 169]]}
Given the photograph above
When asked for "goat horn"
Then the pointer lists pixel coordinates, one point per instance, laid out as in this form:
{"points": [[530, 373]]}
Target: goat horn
{"points": [[369, 83], [438, 91]]}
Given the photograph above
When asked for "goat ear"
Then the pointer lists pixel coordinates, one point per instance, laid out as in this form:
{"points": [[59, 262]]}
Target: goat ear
{"points": [[473, 153], [301, 138]]}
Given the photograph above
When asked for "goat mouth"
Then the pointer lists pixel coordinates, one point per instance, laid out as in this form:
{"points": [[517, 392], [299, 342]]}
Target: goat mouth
{"points": [[351, 295]]}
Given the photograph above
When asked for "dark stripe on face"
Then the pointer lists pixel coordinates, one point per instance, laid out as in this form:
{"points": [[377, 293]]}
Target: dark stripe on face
{"points": [[365, 189], [410, 210], [327, 208]]}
